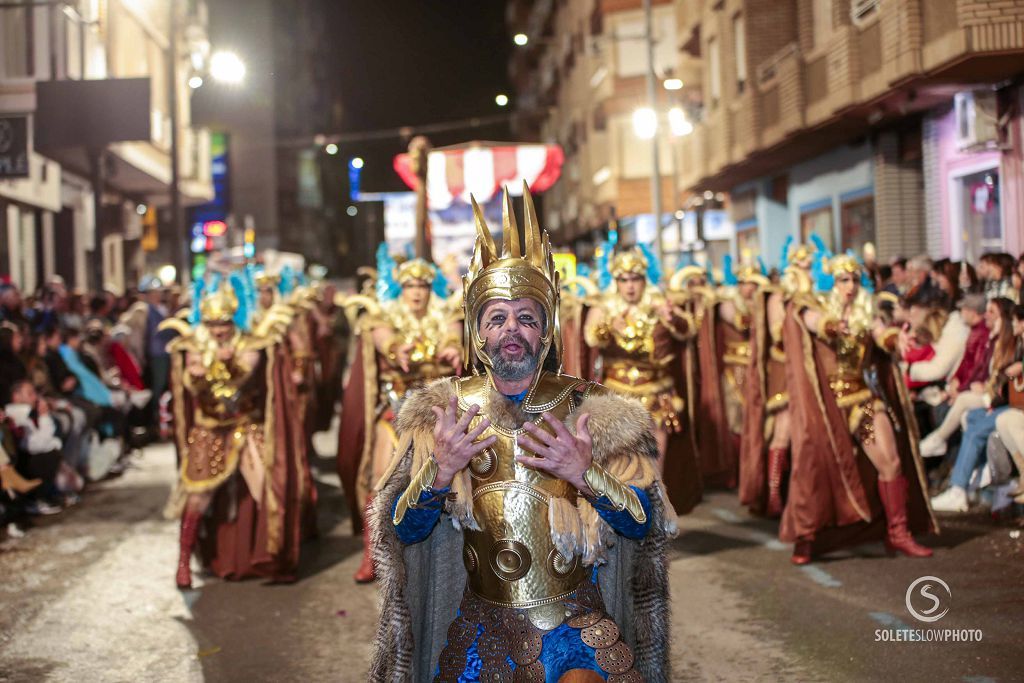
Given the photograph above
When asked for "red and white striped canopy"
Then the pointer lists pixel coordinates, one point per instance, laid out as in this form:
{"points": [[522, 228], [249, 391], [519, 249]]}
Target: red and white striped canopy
{"points": [[482, 169]]}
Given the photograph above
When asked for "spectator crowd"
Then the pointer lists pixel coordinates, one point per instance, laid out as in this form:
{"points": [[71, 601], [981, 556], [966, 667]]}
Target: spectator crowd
{"points": [[82, 381]]}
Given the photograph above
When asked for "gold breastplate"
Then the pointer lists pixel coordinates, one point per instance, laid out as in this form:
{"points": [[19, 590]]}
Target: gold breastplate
{"points": [[511, 560]]}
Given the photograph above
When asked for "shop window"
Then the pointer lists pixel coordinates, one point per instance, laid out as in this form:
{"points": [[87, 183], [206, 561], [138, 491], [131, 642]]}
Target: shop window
{"points": [[818, 222], [748, 244], [857, 220], [740, 44], [715, 71], [982, 226]]}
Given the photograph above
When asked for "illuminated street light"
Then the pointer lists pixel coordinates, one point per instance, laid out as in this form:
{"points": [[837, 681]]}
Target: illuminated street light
{"points": [[357, 162], [195, 82], [645, 123], [678, 122], [501, 99], [673, 84], [352, 211], [520, 39], [227, 67], [331, 149]]}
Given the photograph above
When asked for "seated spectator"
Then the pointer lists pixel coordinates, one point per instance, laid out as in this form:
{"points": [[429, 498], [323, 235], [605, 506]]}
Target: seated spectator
{"points": [[989, 345], [994, 271], [896, 282], [981, 422], [919, 283], [918, 349], [37, 444], [12, 367]]}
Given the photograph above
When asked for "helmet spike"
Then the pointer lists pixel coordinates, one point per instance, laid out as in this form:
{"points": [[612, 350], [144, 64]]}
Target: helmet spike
{"points": [[534, 243], [509, 229], [485, 250]]}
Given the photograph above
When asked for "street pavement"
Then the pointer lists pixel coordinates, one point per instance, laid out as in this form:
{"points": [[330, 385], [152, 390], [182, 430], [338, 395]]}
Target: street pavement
{"points": [[89, 595]]}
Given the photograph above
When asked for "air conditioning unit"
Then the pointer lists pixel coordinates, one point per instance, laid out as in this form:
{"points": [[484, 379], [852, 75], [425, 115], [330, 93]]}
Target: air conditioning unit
{"points": [[976, 119]]}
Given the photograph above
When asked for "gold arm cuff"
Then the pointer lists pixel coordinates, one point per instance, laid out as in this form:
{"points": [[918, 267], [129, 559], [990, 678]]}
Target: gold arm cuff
{"points": [[602, 483], [597, 336], [828, 326], [887, 340], [423, 481]]}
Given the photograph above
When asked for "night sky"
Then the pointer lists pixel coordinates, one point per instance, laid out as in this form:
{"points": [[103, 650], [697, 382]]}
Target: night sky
{"points": [[408, 62]]}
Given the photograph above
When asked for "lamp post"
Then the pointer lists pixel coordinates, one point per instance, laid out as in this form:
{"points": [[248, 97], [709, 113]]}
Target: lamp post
{"points": [[652, 103], [177, 223]]}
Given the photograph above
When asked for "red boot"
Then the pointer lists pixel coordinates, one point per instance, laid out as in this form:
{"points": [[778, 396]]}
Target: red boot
{"points": [[778, 465], [366, 573], [187, 540], [802, 551], [894, 500]]}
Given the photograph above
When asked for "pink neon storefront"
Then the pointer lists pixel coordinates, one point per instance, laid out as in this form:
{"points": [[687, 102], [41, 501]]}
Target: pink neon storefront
{"points": [[973, 176]]}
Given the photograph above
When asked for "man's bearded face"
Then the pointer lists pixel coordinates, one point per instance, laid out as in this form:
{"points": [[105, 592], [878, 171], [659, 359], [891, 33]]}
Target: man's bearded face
{"points": [[512, 332]]}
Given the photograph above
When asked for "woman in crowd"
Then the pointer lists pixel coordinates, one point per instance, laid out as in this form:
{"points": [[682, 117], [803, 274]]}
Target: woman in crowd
{"points": [[990, 337], [980, 422]]}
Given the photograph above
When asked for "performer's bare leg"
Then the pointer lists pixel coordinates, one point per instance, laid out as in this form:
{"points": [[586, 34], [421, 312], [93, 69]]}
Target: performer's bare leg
{"points": [[195, 506], [892, 488]]}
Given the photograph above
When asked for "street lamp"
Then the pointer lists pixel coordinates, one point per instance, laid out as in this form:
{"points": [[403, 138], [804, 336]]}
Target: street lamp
{"points": [[331, 149], [645, 123], [195, 82], [501, 99], [678, 123], [227, 67], [520, 39], [673, 84], [357, 162]]}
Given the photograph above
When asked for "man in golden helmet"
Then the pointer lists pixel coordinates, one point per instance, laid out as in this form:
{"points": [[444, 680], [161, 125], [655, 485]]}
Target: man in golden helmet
{"points": [[231, 398], [503, 498], [638, 335], [405, 338]]}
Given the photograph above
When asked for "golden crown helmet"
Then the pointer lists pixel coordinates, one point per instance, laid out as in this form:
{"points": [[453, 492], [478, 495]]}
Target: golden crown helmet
{"points": [[843, 263], [414, 269], [629, 261], [750, 273], [219, 306], [799, 253], [514, 273], [265, 279]]}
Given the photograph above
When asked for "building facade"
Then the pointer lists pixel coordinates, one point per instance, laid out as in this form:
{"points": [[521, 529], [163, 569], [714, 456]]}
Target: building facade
{"points": [[81, 210], [895, 122]]}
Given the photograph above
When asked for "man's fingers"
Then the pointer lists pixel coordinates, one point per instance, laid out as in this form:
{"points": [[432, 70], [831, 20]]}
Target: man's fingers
{"points": [[475, 433], [539, 463], [537, 447], [560, 431], [463, 424], [540, 434], [481, 445]]}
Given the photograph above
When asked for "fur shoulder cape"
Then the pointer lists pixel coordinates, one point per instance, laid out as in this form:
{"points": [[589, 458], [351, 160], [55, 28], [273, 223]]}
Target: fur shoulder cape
{"points": [[421, 585]]}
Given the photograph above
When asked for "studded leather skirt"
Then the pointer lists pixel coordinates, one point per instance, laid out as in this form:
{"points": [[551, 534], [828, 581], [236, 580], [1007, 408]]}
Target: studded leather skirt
{"points": [[506, 646]]}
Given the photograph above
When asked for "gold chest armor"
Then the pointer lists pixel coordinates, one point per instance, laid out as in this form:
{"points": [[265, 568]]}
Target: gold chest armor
{"points": [[511, 561]]}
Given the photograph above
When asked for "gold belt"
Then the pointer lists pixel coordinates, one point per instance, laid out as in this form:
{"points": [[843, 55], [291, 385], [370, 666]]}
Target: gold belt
{"points": [[737, 353], [849, 391]]}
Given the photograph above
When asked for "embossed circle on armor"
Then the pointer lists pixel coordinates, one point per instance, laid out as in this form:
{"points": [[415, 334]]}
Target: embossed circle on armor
{"points": [[510, 559], [526, 648], [559, 566], [469, 559], [531, 673], [586, 620], [630, 676], [482, 465], [602, 634], [617, 659]]}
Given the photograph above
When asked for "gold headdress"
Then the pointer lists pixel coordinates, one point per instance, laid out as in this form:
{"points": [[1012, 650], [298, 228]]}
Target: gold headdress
{"points": [[414, 269], [512, 274], [265, 279], [843, 263], [219, 306], [630, 261], [799, 253], [749, 273]]}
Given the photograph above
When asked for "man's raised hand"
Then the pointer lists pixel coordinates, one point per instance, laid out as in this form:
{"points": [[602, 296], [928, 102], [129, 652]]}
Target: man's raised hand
{"points": [[561, 454], [454, 446]]}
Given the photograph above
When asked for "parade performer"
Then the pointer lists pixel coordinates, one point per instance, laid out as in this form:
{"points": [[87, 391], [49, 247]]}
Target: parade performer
{"points": [[554, 522], [243, 460], [406, 337], [636, 336], [856, 473], [764, 446]]}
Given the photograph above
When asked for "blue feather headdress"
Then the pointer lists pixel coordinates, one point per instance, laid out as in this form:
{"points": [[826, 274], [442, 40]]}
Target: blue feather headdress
{"points": [[387, 287], [728, 274], [440, 285], [198, 289], [784, 259], [653, 266], [601, 263], [242, 313]]}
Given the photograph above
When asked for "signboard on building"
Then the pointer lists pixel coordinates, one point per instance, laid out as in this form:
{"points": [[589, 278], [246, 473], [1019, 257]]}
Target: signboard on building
{"points": [[14, 147]]}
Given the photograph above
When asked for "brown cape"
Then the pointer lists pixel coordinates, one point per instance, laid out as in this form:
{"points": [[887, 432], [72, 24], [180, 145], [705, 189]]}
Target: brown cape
{"points": [[753, 488], [833, 490], [422, 584], [718, 456], [355, 431]]}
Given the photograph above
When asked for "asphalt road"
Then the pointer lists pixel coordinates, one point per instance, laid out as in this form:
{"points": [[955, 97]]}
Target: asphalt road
{"points": [[89, 596]]}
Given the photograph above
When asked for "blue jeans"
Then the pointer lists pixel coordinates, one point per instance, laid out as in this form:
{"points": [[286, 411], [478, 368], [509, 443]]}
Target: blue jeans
{"points": [[981, 422]]}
